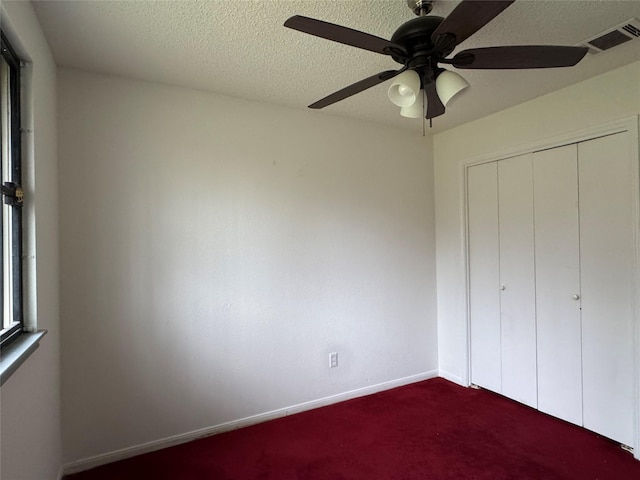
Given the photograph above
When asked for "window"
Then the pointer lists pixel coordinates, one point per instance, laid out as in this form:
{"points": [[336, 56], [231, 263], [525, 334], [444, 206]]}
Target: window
{"points": [[12, 195]]}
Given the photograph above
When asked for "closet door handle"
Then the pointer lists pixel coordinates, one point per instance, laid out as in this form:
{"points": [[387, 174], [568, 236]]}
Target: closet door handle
{"points": [[576, 297], [502, 287]]}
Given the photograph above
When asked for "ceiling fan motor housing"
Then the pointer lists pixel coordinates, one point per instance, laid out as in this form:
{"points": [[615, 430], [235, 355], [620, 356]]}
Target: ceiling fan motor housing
{"points": [[422, 53]]}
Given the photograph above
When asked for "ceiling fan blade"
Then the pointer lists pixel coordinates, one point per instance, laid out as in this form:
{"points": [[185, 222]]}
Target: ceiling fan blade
{"points": [[469, 17], [526, 56], [357, 87], [344, 35], [435, 107]]}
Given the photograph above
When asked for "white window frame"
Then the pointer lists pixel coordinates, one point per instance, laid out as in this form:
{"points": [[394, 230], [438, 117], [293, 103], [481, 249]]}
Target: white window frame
{"points": [[19, 336]]}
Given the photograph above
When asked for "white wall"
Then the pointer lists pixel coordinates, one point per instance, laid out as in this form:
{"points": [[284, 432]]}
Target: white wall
{"points": [[214, 251], [612, 96], [30, 418]]}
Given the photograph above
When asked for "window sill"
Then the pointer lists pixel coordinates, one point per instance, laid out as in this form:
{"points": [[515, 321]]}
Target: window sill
{"points": [[17, 352]]}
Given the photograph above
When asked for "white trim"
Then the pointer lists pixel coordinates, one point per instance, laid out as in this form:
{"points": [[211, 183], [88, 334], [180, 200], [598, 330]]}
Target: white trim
{"points": [[97, 460], [29, 295], [628, 124], [635, 165], [452, 378], [17, 352], [464, 186]]}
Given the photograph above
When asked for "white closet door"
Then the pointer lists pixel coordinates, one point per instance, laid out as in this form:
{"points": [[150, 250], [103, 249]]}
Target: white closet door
{"points": [[558, 283], [484, 299], [607, 253], [517, 277]]}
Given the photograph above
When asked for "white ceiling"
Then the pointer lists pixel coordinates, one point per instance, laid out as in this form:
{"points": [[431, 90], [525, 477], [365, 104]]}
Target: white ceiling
{"points": [[240, 48]]}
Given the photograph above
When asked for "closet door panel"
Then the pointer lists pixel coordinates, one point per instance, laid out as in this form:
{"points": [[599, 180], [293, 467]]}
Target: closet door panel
{"points": [[558, 283], [517, 276], [484, 299], [607, 253]]}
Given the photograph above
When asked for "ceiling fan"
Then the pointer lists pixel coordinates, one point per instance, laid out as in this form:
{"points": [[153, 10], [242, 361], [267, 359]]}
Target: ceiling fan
{"points": [[421, 44]]}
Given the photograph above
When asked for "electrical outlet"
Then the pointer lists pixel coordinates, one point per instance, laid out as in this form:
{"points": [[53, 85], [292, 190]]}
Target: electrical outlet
{"points": [[333, 360]]}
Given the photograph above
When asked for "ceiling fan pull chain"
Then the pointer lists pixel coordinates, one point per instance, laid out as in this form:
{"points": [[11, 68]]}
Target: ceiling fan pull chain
{"points": [[424, 113]]}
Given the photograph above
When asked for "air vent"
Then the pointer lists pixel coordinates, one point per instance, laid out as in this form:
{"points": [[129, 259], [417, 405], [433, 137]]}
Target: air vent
{"points": [[625, 32]]}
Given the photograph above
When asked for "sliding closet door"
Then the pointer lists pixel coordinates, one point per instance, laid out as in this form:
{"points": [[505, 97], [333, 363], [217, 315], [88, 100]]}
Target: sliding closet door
{"points": [[558, 283], [484, 299], [607, 253], [517, 279]]}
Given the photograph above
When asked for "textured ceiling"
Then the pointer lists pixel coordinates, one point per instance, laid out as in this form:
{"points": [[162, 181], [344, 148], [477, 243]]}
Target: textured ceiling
{"points": [[240, 48]]}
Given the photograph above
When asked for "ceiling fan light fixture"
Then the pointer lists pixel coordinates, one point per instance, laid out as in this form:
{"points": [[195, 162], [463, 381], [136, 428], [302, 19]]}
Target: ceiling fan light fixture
{"points": [[422, 43], [405, 89], [415, 110], [449, 84]]}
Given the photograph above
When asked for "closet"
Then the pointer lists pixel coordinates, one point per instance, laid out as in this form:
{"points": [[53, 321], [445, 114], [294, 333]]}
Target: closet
{"points": [[551, 252]]}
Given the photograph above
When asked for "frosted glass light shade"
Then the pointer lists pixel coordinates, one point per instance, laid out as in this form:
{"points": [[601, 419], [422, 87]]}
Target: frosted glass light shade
{"points": [[405, 88], [415, 110], [449, 84]]}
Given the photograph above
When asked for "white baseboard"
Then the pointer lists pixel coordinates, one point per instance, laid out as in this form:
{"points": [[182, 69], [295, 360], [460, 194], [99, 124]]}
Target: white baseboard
{"points": [[452, 378], [95, 461]]}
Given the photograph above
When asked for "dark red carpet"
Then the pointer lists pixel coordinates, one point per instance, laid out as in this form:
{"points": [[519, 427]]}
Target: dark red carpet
{"points": [[428, 430]]}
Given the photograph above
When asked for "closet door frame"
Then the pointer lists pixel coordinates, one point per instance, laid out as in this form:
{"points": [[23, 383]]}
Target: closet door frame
{"points": [[629, 125]]}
